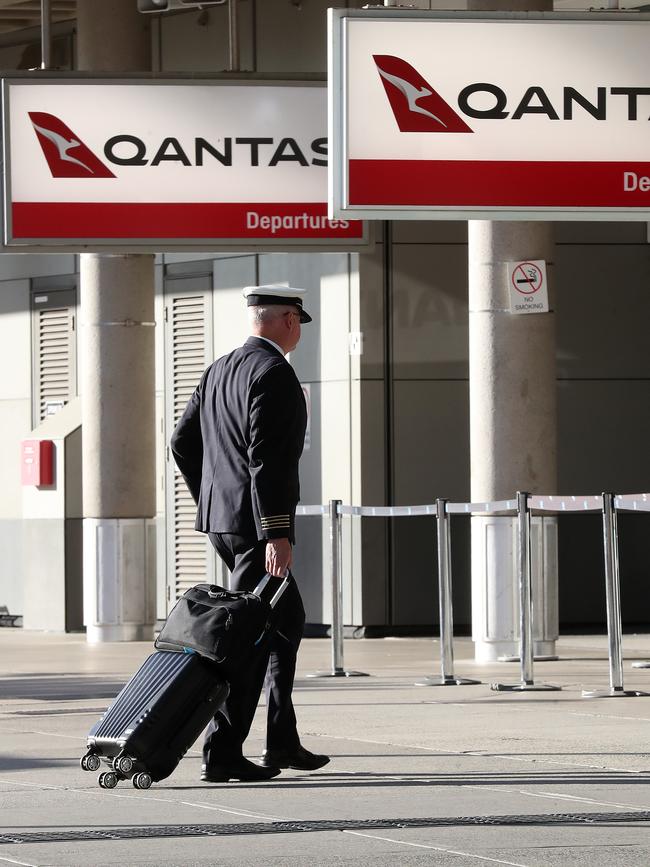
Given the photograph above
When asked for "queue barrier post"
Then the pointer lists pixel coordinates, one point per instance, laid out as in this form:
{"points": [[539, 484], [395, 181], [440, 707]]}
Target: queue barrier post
{"points": [[447, 677], [336, 562], [613, 602], [527, 682], [635, 502]]}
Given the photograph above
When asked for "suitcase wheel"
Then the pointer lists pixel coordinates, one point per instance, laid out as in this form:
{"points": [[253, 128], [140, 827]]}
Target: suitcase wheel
{"points": [[142, 780], [107, 780], [90, 762], [123, 765]]}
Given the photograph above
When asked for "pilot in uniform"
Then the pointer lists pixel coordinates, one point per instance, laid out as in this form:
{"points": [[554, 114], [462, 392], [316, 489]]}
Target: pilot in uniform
{"points": [[238, 445]]}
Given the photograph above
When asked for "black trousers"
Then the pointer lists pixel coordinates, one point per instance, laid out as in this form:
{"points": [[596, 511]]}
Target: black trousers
{"points": [[273, 667]]}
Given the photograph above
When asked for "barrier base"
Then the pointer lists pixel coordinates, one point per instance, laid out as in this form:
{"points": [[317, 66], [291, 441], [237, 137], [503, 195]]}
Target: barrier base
{"points": [[549, 658], [445, 681], [338, 672], [641, 665], [612, 693], [524, 686]]}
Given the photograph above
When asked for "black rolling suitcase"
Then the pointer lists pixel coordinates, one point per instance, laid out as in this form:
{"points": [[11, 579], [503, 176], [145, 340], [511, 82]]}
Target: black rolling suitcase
{"points": [[168, 702], [155, 719]]}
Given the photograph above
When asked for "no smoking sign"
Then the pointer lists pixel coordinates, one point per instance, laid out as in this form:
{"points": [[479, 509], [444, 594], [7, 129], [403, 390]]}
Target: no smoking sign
{"points": [[528, 287]]}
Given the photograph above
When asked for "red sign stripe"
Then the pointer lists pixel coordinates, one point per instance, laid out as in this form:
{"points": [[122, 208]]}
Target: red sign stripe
{"points": [[150, 220], [503, 184]]}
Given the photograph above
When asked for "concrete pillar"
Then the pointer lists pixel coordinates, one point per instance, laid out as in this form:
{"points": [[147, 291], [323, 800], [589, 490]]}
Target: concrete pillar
{"points": [[117, 384], [512, 435], [512, 423]]}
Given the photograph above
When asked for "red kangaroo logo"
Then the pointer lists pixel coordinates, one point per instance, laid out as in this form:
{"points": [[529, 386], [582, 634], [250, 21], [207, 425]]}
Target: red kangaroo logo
{"points": [[416, 105], [66, 155]]}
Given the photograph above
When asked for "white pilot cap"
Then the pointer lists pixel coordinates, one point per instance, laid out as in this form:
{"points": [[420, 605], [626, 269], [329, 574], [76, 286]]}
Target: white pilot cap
{"points": [[276, 293]]}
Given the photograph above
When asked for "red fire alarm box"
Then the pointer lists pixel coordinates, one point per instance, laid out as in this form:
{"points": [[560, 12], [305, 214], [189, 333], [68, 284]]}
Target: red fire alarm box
{"points": [[37, 462]]}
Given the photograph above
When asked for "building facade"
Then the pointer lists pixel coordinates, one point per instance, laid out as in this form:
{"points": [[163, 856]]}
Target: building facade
{"points": [[385, 366]]}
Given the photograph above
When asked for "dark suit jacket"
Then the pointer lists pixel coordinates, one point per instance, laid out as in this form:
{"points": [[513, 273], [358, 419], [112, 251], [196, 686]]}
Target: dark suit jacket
{"points": [[239, 441]]}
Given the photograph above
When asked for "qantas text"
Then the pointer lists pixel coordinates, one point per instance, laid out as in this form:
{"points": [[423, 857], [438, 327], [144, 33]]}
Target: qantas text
{"points": [[130, 150], [487, 101]]}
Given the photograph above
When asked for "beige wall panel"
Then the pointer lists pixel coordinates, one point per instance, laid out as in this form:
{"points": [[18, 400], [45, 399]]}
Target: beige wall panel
{"points": [[159, 308], [582, 597], [431, 460], [72, 458], [371, 442], [325, 473], [311, 480], [310, 565], [430, 324], [18, 266], [15, 425], [603, 311], [431, 441], [430, 231], [44, 604], [161, 453], [333, 321], [15, 339], [572, 232], [190, 256], [603, 436], [323, 349], [370, 603], [336, 478], [12, 576], [229, 306], [335, 436], [569, 232], [161, 443], [310, 555], [368, 314]]}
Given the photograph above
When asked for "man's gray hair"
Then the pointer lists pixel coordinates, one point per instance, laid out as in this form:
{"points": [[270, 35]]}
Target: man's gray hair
{"points": [[260, 314]]}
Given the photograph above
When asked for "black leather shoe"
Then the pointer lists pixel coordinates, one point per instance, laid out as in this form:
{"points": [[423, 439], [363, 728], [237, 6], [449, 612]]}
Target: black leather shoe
{"points": [[241, 769], [300, 759]]}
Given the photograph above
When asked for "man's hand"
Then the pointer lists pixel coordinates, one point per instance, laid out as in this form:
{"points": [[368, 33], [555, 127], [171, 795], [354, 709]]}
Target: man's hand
{"points": [[278, 556]]}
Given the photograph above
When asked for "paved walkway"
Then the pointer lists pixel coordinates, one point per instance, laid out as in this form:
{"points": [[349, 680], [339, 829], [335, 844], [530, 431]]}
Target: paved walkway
{"points": [[458, 776]]}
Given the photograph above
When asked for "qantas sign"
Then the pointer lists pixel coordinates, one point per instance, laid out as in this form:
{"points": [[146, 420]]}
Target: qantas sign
{"points": [[209, 164], [414, 101], [451, 114], [68, 157]]}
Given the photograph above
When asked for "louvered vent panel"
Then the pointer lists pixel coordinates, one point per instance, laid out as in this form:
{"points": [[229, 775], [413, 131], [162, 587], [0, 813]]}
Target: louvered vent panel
{"points": [[54, 359], [189, 362]]}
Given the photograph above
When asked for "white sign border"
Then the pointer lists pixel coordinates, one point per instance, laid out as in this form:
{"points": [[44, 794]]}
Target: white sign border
{"points": [[338, 207], [156, 245]]}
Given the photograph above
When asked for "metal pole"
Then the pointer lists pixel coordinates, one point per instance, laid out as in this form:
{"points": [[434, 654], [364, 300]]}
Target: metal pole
{"points": [[447, 677], [444, 593], [525, 605], [525, 590], [613, 593], [613, 601], [46, 34], [337, 587], [233, 36], [336, 572]]}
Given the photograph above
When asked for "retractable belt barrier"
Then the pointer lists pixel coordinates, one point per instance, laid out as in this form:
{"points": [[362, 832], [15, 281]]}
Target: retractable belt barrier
{"points": [[523, 505]]}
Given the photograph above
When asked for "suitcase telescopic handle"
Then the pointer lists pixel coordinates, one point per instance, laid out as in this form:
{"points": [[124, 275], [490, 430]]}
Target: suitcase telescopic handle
{"points": [[278, 593]]}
